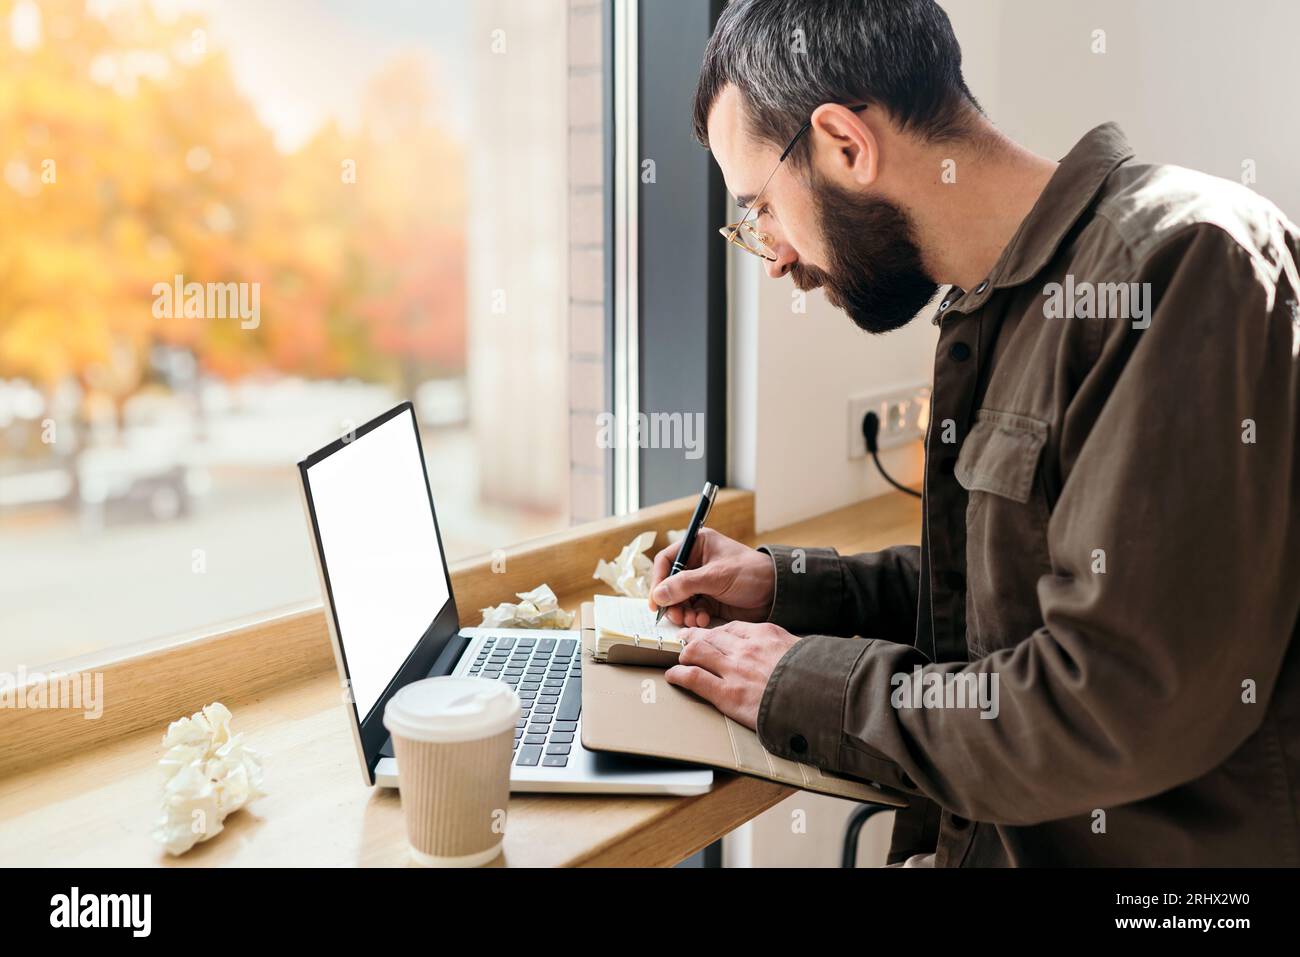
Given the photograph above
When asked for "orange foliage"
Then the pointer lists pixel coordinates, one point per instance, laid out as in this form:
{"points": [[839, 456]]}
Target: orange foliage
{"points": [[111, 182]]}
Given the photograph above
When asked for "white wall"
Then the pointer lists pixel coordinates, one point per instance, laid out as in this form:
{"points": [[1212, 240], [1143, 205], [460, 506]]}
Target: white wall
{"points": [[1201, 83], [794, 418]]}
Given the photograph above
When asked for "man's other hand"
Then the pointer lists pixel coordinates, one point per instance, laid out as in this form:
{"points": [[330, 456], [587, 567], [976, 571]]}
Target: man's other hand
{"points": [[729, 666]]}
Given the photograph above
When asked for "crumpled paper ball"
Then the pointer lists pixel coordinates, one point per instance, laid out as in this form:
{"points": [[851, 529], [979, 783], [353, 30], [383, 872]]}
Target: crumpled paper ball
{"points": [[629, 574], [538, 608], [208, 773]]}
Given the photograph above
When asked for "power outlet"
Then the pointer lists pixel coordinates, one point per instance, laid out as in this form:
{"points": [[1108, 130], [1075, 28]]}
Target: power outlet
{"points": [[904, 414]]}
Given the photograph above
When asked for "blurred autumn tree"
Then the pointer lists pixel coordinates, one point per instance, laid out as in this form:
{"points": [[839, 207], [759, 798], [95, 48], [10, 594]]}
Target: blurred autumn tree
{"points": [[128, 155]]}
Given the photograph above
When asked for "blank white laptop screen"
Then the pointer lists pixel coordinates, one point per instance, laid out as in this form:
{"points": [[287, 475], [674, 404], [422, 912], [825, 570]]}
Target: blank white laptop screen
{"points": [[380, 549]]}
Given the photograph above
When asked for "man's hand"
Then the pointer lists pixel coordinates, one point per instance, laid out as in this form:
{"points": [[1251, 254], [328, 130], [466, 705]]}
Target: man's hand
{"points": [[723, 577], [729, 666]]}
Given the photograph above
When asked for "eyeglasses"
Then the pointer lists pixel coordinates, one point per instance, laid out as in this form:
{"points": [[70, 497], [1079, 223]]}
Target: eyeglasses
{"points": [[745, 234]]}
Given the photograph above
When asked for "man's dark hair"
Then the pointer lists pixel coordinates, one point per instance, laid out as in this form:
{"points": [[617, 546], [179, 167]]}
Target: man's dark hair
{"points": [[788, 57]]}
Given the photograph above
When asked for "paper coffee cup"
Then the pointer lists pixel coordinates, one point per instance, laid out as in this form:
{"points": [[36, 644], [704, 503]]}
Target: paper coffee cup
{"points": [[453, 740]]}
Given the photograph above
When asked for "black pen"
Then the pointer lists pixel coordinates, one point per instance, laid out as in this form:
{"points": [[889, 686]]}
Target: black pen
{"points": [[688, 540]]}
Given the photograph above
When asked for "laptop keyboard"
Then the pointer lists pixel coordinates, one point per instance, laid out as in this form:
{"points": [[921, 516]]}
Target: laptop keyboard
{"points": [[546, 673]]}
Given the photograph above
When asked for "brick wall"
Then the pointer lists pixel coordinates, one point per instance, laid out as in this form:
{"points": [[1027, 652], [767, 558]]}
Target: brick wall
{"points": [[517, 286]]}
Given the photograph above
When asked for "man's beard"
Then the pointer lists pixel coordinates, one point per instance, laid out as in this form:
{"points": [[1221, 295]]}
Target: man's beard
{"points": [[875, 272]]}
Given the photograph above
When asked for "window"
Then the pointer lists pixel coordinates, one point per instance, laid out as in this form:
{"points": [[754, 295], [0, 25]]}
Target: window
{"points": [[230, 230]]}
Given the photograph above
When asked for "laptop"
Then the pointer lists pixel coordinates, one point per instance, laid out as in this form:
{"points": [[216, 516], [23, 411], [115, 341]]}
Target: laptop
{"points": [[393, 620]]}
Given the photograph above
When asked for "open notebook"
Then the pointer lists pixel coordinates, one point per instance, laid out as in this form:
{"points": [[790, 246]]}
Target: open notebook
{"points": [[636, 711], [626, 634]]}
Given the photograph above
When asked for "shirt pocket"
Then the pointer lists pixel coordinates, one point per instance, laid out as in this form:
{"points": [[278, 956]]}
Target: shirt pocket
{"points": [[1006, 527], [1001, 454]]}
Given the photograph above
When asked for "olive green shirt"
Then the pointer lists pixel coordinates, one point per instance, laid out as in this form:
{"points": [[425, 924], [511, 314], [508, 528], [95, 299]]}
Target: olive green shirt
{"points": [[1110, 558]]}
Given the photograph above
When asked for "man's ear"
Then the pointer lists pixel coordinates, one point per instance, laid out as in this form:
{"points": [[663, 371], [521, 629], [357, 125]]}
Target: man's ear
{"points": [[844, 147]]}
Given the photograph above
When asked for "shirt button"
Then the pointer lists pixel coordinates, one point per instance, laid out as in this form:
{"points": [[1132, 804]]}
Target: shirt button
{"points": [[798, 744], [949, 465], [982, 286], [959, 351], [954, 580]]}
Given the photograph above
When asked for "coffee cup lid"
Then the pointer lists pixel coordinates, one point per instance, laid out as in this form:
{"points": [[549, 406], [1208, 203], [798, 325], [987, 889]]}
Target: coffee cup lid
{"points": [[452, 709]]}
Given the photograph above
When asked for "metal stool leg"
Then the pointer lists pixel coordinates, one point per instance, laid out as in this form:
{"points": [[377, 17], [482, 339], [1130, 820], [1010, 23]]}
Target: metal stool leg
{"points": [[854, 829]]}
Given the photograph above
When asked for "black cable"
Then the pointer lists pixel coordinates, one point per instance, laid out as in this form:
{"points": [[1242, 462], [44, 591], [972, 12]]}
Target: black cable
{"points": [[870, 430]]}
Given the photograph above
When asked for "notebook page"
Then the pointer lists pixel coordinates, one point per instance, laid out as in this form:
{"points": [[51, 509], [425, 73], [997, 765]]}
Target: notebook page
{"points": [[629, 617]]}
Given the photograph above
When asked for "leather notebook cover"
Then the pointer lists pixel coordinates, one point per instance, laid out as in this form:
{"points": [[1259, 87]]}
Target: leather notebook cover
{"points": [[634, 710]]}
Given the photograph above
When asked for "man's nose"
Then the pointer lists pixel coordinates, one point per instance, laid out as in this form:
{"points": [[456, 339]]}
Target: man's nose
{"points": [[784, 261]]}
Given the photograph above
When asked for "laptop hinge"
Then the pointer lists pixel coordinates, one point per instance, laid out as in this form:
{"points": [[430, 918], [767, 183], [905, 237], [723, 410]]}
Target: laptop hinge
{"points": [[451, 652]]}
